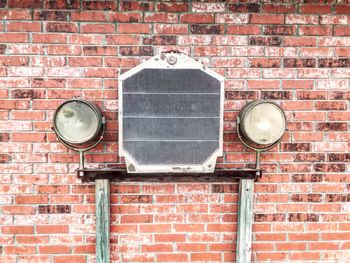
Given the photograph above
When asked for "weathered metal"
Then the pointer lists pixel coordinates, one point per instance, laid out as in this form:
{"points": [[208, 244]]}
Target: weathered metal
{"points": [[119, 175], [171, 116], [245, 221], [102, 196]]}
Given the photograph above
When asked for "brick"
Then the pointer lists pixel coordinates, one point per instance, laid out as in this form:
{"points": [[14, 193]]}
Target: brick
{"points": [[18, 210], [303, 236], [276, 95], [100, 5], [136, 51], [279, 30], [54, 209], [88, 16], [334, 63], [160, 40], [291, 41], [330, 167], [172, 7], [69, 258], [197, 18], [134, 28], [62, 4], [337, 198], [315, 9], [248, 7], [279, 8], [25, 4], [170, 29], [306, 197], [307, 178], [172, 257], [205, 256], [97, 28], [206, 29], [61, 27], [99, 50], [315, 30], [211, 51], [242, 30], [52, 229], [17, 250], [330, 105], [332, 126], [263, 84], [300, 217], [124, 17], [54, 249], [17, 230], [161, 18], [270, 237], [266, 19], [296, 147], [31, 199], [147, 248], [23, 26], [265, 63], [232, 18], [13, 37], [342, 31], [297, 63], [301, 19], [341, 9], [51, 15], [132, 6], [84, 62], [265, 41]]}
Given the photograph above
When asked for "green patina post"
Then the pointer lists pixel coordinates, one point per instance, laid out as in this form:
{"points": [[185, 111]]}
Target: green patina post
{"points": [[102, 195], [245, 221]]}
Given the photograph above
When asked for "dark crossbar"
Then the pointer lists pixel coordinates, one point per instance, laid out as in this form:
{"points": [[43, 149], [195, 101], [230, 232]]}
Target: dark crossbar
{"points": [[118, 175]]}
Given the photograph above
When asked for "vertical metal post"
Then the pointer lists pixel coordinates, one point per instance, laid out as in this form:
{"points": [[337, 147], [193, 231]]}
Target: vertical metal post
{"points": [[245, 221], [102, 196]]}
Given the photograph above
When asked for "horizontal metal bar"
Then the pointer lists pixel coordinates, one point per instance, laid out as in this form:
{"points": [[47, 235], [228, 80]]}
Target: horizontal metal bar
{"points": [[118, 175]]}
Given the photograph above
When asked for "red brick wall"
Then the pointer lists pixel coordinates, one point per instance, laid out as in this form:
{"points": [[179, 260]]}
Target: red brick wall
{"points": [[294, 53]]}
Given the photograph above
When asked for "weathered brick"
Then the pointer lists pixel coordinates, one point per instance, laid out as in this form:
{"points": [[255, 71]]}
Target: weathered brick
{"points": [[312, 178], [266, 19], [265, 41], [133, 6], [136, 51], [332, 126], [300, 217], [334, 63], [337, 198], [25, 4], [299, 63], [99, 5], [269, 217], [330, 167], [61, 27], [160, 40], [47, 15], [339, 157], [197, 18], [276, 95], [54, 209], [279, 30], [265, 63], [306, 198], [246, 7], [206, 29]]}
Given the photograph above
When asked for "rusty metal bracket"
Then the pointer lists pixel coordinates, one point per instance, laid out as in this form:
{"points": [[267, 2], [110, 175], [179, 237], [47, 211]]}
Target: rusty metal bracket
{"points": [[119, 175]]}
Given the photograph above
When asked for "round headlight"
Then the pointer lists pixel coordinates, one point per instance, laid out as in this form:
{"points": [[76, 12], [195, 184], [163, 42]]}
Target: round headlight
{"points": [[77, 121], [262, 122]]}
